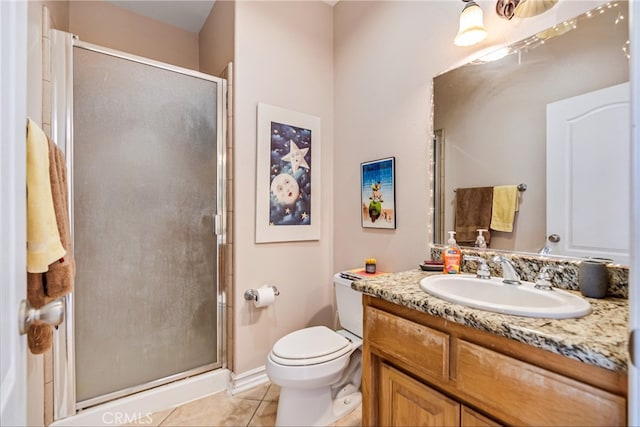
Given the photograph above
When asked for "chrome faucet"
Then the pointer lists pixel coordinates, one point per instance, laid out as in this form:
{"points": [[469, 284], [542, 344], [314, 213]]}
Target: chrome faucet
{"points": [[509, 273], [483, 268]]}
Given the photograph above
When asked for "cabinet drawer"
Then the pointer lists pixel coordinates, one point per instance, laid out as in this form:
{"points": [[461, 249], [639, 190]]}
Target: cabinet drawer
{"points": [[532, 395], [424, 349]]}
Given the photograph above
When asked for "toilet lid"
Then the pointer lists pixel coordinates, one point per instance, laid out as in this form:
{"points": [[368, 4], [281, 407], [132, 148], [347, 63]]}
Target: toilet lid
{"points": [[310, 343]]}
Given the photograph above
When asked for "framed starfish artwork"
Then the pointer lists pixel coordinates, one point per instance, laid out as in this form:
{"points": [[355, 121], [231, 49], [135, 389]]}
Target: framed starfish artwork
{"points": [[377, 184], [287, 175]]}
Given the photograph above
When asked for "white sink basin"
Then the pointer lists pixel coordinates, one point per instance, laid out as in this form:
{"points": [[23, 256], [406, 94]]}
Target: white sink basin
{"points": [[493, 295]]}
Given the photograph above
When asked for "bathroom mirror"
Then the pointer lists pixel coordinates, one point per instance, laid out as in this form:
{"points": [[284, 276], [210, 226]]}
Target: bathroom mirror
{"points": [[490, 122]]}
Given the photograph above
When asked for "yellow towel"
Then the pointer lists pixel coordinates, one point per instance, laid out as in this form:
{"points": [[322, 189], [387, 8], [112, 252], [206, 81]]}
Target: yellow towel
{"points": [[505, 206], [43, 239]]}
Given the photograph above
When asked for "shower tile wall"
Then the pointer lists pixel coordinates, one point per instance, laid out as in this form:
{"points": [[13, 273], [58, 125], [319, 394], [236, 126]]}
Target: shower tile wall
{"points": [[227, 246], [47, 24]]}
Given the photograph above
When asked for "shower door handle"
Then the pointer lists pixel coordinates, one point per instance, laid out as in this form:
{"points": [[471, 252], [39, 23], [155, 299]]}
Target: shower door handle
{"points": [[52, 314], [217, 224]]}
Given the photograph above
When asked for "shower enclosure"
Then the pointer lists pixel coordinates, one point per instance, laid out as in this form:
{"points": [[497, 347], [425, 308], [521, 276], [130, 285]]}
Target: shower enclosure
{"points": [[145, 160]]}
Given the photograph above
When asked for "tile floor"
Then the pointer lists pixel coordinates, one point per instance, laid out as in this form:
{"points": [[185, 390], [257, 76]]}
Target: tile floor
{"points": [[255, 407]]}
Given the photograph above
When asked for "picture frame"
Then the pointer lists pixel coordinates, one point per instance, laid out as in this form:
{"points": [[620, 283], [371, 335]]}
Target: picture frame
{"points": [[377, 189], [287, 175]]}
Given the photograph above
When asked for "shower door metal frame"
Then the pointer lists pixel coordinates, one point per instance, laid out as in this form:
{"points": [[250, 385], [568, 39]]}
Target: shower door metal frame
{"points": [[64, 372]]}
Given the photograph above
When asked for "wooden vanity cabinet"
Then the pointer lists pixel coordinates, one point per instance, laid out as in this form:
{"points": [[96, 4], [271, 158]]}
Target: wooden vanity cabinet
{"points": [[422, 370]]}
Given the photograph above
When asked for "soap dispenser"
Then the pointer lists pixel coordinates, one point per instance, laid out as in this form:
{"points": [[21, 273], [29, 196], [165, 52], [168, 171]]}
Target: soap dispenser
{"points": [[451, 256], [480, 242]]}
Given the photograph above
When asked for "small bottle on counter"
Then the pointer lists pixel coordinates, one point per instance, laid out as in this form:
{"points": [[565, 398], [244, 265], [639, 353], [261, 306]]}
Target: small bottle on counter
{"points": [[451, 256], [370, 265]]}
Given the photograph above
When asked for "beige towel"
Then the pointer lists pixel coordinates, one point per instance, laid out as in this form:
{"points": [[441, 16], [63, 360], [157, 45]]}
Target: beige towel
{"points": [[473, 211], [505, 206], [43, 239]]}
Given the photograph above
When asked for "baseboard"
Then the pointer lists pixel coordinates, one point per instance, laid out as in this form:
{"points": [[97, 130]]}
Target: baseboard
{"points": [[141, 405], [247, 380]]}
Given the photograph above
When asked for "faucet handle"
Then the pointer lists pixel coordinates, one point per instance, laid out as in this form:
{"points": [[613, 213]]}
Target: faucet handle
{"points": [[483, 268], [544, 277]]}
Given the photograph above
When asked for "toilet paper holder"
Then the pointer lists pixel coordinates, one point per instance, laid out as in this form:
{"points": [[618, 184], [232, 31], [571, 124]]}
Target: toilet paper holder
{"points": [[252, 294]]}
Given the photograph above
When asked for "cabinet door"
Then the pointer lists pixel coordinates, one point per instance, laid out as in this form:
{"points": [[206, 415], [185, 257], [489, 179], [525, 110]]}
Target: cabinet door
{"points": [[470, 418], [404, 401]]}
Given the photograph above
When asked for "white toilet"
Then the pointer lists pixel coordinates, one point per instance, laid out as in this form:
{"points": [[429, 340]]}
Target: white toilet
{"points": [[319, 370]]}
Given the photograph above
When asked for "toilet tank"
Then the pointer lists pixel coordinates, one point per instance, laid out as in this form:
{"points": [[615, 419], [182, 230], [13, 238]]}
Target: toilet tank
{"points": [[349, 305]]}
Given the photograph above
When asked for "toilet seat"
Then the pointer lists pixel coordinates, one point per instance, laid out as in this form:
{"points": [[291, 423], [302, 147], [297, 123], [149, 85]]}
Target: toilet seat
{"points": [[310, 346]]}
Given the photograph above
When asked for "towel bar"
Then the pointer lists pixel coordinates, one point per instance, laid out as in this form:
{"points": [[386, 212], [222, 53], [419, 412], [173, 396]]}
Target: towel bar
{"points": [[521, 188]]}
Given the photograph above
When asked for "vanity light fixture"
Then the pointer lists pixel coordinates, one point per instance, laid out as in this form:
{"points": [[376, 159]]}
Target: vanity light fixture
{"points": [[471, 29], [529, 8], [506, 8]]}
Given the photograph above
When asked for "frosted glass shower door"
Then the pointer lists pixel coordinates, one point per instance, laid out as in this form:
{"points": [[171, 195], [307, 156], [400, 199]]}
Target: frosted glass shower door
{"points": [[144, 200]]}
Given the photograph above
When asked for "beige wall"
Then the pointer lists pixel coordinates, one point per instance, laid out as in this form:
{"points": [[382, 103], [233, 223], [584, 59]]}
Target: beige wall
{"points": [[59, 13], [106, 25], [386, 54], [283, 57], [216, 38]]}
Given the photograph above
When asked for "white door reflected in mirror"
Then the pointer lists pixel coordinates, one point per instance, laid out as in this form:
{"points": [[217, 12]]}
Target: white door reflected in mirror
{"points": [[588, 174]]}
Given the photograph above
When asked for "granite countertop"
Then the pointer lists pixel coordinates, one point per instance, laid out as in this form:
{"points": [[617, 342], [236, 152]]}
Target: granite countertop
{"points": [[598, 339]]}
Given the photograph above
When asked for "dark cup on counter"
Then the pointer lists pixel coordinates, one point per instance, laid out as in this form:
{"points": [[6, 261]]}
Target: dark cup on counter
{"points": [[593, 278]]}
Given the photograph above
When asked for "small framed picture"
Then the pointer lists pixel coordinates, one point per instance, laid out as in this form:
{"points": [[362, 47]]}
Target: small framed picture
{"points": [[377, 182]]}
